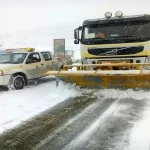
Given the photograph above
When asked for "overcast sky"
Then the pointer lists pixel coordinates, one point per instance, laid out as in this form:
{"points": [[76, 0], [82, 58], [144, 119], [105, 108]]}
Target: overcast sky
{"points": [[18, 15], [39, 21]]}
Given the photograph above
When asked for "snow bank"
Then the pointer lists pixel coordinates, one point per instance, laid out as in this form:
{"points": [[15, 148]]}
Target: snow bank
{"points": [[18, 106], [123, 94], [140, 134]]}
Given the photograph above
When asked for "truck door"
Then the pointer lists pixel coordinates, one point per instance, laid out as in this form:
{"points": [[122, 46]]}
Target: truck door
{"points": [[48, 61], [33, 65]]}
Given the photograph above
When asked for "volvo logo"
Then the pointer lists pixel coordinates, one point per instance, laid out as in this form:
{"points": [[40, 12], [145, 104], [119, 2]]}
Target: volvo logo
{"points": [[114, 50]]}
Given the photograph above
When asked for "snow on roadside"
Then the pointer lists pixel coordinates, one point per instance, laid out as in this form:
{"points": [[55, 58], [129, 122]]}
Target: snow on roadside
{"points": [[140, 134], [139, 138], [18, 106], [123, 94]]}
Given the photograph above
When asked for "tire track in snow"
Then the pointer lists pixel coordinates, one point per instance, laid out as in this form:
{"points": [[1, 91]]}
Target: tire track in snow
{"points": [[82, 120], [65, 126], [86, 122], [112, 129], [84, 136], [30, 133]]}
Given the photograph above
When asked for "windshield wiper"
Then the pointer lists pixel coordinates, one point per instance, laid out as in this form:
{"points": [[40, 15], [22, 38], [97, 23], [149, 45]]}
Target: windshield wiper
{"points": [[97, 39], [124, 37]]}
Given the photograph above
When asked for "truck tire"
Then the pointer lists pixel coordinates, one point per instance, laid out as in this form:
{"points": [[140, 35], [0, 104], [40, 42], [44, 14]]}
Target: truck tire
{"points": [[17, 82]]}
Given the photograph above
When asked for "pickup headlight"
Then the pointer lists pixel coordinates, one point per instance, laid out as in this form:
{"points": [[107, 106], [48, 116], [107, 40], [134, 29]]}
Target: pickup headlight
{"points": [[1, 73]]}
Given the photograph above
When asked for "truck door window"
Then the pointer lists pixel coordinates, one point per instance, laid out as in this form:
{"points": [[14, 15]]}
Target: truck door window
{"points": [[33, 58], [46, 56], [19, 58]]}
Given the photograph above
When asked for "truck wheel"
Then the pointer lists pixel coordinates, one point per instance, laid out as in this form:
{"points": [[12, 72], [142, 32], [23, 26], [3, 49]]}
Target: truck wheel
{"points": [[17, 82]]}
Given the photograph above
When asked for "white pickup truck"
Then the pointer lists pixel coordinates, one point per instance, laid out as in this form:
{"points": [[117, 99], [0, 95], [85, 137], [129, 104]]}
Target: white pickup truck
{"points": [[17, 68]]}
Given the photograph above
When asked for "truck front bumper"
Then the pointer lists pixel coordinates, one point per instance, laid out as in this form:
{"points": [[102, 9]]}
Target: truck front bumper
{"points": [[4, 80]]}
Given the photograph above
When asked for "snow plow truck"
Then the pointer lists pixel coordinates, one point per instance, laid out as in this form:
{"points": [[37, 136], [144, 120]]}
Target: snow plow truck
{"points": [[115, 52]]}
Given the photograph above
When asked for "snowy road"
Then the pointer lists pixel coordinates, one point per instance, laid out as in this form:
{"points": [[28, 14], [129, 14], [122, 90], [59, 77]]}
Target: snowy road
{"points": [[93, 120]]}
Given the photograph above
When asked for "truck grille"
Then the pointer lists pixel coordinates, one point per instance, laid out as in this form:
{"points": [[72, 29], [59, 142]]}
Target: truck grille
{"points": [[116, 51]]}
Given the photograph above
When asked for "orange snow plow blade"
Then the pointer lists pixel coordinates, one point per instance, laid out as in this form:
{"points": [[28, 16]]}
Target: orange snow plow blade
{"points": [[103, 75]]}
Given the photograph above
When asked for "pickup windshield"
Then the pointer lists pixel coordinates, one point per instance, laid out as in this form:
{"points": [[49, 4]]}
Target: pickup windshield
{"points": [[12, 58], [117, 32]]}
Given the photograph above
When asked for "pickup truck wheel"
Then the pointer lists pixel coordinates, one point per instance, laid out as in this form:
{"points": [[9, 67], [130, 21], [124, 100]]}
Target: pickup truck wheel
{"points": [[17, 82]]}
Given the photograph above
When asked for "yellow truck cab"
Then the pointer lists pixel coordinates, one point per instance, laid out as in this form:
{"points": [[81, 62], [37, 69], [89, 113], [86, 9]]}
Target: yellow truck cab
{"points": [[114, 39], [17, 68]]}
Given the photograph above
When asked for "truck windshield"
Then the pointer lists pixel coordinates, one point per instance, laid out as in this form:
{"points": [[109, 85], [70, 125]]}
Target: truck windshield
{"points": [[117, 32], [12, 58]]}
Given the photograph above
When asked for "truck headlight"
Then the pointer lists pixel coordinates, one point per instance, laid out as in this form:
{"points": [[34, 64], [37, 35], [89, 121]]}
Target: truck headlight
{"points": [[1, 73], [108, 14], [119, 14]]}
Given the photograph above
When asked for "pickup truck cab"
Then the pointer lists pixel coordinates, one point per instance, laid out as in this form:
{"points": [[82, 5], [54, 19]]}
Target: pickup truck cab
{"points": [[17, 68]]}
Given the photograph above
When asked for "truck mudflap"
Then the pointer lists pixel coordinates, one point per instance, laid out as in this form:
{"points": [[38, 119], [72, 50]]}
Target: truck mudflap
{"points": [[135, 78]]}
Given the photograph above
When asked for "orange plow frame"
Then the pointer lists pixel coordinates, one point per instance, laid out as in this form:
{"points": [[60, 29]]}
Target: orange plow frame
{"points": [[136, 76]]}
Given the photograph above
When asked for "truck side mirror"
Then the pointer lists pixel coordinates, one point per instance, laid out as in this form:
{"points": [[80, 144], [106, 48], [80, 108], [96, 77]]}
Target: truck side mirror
{"points": [[76, 41], [28, 61], [76, 33]]}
